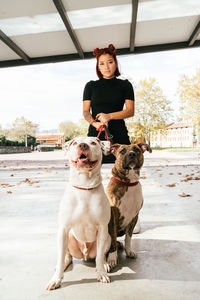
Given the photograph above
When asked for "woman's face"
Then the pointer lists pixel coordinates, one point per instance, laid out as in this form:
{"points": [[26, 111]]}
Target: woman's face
{"points": [[107, 66]]}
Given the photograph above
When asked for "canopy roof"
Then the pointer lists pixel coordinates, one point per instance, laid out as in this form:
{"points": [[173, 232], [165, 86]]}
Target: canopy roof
{"points": [[44, 31]]}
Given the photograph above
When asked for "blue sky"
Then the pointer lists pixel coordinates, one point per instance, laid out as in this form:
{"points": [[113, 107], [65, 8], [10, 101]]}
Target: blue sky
{"points": [[52, 93]]}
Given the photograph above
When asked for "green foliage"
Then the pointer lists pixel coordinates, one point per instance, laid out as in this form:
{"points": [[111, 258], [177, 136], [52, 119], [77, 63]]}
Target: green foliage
{"points": [[21, 129], [189, 94], [83, 127], [2, 140], [152, 110], [69, 129], [6, 142], [72, 130]]}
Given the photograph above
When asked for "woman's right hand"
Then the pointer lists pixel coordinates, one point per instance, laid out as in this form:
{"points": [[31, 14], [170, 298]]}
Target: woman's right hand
{"points": [[97, 125]]}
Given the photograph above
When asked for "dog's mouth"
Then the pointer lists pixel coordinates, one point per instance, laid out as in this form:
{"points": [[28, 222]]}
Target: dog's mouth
{"points": [[83, 161], [131, 163]]}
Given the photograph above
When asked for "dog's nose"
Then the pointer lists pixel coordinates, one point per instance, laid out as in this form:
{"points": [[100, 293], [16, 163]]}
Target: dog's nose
{"points": [[83, 146], [131, 154]]}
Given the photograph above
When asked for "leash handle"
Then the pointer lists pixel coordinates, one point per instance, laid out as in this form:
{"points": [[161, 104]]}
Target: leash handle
{"points": [[108, 135]]}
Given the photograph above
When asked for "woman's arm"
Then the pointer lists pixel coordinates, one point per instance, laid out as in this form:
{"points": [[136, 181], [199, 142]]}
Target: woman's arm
{"points": [[123, 114], [88, 117]]}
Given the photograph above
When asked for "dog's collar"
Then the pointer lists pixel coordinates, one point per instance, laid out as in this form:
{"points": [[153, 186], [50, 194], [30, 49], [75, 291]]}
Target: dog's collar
{"points": [[125, 183], [85, 189]]}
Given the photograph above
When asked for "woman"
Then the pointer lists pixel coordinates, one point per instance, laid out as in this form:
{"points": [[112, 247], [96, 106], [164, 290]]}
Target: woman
{"points": [[104, 100]]}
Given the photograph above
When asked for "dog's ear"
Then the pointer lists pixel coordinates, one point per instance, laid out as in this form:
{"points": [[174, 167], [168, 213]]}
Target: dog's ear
{"points": [[105, 147], [68, 144], [114, 148], [145, 147]]}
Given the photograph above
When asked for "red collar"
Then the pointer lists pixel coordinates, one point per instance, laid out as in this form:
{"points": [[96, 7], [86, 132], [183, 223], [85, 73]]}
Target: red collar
{"points": [[125, 183], [85, 189]]}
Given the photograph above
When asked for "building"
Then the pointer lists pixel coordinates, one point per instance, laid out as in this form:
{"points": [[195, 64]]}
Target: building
{"points": [[176, 135], [51, 140]]}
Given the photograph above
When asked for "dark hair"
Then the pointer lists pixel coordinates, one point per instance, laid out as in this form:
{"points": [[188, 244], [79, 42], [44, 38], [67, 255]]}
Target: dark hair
{"points": [[109, 50]]}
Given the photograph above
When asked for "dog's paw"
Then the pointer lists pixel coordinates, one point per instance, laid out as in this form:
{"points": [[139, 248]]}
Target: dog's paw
{"points": [[107, 267], [112, 260], [130, 253], [103, 277], [54, 283]]}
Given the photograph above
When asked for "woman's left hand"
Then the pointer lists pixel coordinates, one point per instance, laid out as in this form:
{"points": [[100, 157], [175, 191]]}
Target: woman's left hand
{"points": [[103, 118]]}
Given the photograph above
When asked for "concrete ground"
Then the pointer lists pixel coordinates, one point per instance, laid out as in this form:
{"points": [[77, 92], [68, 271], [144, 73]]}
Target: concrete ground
{"points": [[168, 247]]}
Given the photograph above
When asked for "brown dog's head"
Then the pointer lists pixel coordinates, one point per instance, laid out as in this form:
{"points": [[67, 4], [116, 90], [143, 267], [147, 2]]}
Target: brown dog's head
{"points": [[129, 156]]}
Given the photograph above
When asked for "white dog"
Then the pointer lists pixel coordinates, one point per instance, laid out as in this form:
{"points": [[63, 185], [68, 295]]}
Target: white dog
{"points": [[84, 211]]}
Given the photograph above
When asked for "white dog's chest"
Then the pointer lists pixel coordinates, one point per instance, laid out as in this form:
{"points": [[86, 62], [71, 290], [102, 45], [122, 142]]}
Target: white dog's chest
{"points": [[131, 204], [84, 211]]}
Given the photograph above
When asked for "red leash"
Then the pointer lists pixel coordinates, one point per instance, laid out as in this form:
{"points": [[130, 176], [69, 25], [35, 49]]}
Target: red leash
{"points": [[104, 128]]}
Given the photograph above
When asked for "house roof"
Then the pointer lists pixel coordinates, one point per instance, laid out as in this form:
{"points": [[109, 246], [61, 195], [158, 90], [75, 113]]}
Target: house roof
{"points": [[35, 32], [50, 136], [178, 125]]}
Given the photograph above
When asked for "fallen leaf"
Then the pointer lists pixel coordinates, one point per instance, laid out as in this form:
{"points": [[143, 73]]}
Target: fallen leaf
{"points": [[5, 185], [26, 180], [179, 173], [187, 179], [171, 185], [12, 175], [9, 192], [171, 173], [197, 178], [184, 195], [36, 181]]}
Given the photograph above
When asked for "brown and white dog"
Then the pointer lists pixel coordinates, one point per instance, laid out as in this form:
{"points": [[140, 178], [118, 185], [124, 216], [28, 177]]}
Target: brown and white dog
{"points": [[124, 192], [84, 211]]}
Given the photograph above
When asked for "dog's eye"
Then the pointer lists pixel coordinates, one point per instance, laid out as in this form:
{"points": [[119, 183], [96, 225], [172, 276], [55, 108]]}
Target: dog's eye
{"points": [[122, 151], [136, 149], [93, 143]]}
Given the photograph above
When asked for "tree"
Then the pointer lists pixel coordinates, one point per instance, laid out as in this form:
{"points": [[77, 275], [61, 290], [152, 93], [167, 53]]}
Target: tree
{"points": [[69, 129], [152, 110], [83, 128], [21, 129], [189, 94], [72, 130]]}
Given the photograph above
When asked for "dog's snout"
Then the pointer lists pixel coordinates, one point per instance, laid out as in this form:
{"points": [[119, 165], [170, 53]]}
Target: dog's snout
{"points": [[131, 154], [83, 146]]}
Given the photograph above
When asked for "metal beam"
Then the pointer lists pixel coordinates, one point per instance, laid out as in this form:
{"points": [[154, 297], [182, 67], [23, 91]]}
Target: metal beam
{"points": [[13, 46], [194, 34], [89, 55], [133, 24], [62, 12]]}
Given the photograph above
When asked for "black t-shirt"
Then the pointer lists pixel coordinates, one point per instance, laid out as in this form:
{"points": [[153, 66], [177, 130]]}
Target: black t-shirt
{"points": [[107, 96]]}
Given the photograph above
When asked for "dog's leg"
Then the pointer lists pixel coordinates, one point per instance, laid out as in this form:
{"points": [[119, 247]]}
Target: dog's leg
{"points": [[100, 258], [60, 266], [112, 226], [129, 232]]}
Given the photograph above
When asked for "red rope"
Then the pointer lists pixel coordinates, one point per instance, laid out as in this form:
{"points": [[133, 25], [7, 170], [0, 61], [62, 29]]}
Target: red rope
{"points": [[100, 129]]}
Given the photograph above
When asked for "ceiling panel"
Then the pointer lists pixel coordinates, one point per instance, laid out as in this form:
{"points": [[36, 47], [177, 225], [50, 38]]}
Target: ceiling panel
{"points": [[45, 44], [165, 31], [44, 31]]}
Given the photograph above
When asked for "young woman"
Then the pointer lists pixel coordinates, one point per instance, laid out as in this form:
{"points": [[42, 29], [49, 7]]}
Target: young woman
{"points": [[104, 99]]}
